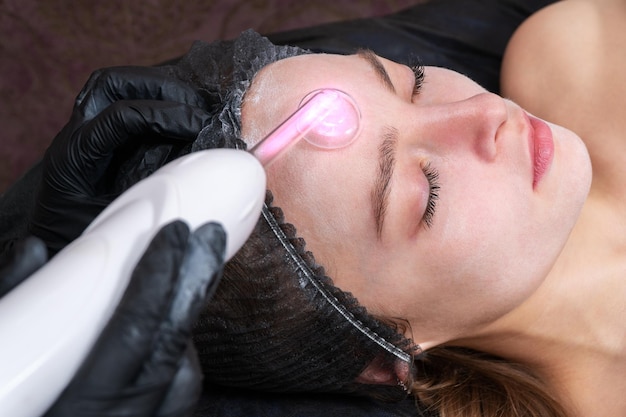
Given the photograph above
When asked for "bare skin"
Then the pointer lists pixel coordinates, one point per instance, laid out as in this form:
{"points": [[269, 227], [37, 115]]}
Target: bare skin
{"points": [[565, 65]]}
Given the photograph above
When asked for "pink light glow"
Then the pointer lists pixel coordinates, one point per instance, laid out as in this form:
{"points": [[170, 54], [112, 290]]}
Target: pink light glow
{"points": [[328, 119]]}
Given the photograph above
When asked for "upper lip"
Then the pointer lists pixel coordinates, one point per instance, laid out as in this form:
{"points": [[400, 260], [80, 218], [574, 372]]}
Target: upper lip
{"points": [[541, 147], [531, 141]]}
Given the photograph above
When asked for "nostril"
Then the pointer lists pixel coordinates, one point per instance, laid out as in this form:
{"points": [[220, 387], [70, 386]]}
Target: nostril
{"points": [[492, 115]]}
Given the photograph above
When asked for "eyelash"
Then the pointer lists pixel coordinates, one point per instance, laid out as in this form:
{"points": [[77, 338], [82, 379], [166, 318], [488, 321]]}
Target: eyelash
{"points": [[418, 71], [432, 176]]}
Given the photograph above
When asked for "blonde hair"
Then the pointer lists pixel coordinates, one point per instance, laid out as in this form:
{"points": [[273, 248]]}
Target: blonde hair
{"points": [[458, 382]]}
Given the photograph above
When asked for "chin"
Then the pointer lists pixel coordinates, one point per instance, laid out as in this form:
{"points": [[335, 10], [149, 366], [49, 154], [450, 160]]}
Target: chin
{"points": [[566, 194], [573, 170]]}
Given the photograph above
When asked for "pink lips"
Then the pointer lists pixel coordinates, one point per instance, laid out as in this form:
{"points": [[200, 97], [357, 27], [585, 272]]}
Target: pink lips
{"points": [[541, 148]]}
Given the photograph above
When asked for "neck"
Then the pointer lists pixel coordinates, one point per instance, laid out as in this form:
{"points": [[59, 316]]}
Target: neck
{"points": [[572, 330]]}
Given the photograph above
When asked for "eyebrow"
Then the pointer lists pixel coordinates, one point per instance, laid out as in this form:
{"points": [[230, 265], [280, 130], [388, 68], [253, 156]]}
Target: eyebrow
{"points": [[372, 59], [386, 164]]}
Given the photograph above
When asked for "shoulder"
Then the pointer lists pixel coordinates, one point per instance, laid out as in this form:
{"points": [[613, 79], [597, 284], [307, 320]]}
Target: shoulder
{"points": [[554, 54], [566, 64]]}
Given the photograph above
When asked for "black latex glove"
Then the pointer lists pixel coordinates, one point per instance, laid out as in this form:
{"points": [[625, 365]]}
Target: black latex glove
{"points": [[118, 107], [144, 363], [26, 257]]}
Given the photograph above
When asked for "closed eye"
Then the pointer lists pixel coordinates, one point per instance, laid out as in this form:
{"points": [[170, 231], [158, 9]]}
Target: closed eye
{"points": [[432, 176], [418, 72]]}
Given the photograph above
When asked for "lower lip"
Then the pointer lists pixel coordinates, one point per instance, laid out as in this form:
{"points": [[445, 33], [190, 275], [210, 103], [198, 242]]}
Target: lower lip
{"points": [[542, 148]]}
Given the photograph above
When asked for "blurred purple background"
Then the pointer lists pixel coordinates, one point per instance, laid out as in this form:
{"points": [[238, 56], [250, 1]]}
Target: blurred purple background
{"points": [[48, 48]]}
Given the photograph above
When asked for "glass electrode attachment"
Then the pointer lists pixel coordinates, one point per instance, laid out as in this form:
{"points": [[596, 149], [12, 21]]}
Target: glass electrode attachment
{"points": [[327, 118]]}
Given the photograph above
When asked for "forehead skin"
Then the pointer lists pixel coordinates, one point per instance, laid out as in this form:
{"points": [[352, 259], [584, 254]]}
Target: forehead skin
{"points": [[299, 178]]}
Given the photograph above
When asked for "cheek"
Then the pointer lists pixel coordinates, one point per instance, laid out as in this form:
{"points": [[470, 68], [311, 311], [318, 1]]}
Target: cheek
{"points": [[569, 179], [480, 241], [320, 192], [483, 246]]}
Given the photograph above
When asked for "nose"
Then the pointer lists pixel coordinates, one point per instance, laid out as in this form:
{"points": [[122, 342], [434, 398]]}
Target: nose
{"points": [[470, 124]]}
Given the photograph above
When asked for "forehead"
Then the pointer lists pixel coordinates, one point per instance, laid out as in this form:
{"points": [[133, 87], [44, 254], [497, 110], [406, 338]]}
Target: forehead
{"points": [[306, 69], [275, 93], [285, 80], [277, 89]]}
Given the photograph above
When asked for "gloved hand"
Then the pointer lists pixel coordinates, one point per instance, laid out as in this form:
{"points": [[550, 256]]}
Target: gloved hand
{"points": [[144, 363], [26, 257], [118, 107]]}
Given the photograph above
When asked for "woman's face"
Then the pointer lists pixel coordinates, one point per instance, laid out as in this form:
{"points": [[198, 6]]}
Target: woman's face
{"points": [[439, 212]]}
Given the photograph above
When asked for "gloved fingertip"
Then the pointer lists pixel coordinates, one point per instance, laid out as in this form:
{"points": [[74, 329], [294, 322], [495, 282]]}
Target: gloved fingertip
{"points": [[213, 236], [36, 250], [154, 278], [200, 273], [88, 87], [176, 229]]}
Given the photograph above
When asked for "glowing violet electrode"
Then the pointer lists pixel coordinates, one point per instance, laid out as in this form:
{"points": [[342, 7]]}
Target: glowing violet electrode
{"points": [[327, 118]]}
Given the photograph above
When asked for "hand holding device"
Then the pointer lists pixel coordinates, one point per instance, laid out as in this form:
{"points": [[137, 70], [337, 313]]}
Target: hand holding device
{"points": [[117, 106], [65, 305], [144, 364]]}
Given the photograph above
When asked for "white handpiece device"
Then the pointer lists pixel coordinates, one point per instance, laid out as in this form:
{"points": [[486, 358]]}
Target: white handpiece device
{"points": [[49, 323]]}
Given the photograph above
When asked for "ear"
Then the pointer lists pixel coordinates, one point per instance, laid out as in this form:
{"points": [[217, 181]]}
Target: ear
{"points": [[383, 372]]}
